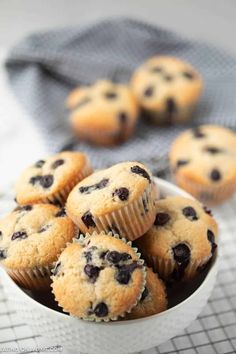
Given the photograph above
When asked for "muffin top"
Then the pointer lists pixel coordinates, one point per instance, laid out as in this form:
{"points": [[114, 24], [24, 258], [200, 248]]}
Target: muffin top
{"points": [[33, 236], [108, 190], [98, 277], [166, 80], [153, 299], [51, 175], [102, 106], [183, 232], [205, 155]]}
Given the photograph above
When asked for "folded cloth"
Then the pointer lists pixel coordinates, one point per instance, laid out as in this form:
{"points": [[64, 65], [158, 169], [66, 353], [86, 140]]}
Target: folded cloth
{"points": [[45, 66]]}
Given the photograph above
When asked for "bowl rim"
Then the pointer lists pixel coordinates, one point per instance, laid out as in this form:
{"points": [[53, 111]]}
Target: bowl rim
{"points": [[177, 191]]}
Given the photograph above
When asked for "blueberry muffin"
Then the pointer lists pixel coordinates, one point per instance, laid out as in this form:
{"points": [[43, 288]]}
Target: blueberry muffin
{"points": [[98, 278], [153, 299], [31, 238], [203, 162], [50, 180], [167, 89], [104, 113], [181, 241], [120, 199]]}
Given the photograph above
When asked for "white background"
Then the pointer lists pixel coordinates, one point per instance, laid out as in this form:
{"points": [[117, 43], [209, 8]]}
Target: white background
{"points": [[211, 20]]}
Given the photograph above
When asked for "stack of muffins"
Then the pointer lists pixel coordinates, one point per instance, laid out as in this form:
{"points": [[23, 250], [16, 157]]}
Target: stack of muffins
{"points": [[73, 229]]}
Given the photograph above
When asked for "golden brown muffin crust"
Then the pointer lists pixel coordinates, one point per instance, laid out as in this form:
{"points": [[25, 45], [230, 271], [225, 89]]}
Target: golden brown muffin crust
{"points": [[153, 300], [162, 77], [183, 232], [205, 156], [50, 176], [99, 277], [33, 236], [104, 108]]}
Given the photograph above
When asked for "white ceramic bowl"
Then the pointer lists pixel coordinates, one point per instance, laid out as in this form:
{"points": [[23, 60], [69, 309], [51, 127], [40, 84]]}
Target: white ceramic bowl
{"points": [[113, 337]]}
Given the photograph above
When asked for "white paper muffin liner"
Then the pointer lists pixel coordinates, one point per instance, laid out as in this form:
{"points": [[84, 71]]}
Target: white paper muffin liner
{"points": [[61, 196], [209, 195], [132, 220], [134, 316], [143, 269], [37, 278], [165, 268], [101, 137], [160, 117]]}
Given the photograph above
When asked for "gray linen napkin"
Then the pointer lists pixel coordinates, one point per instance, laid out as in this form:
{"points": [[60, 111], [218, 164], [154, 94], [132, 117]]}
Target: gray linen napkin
{"points": [[43, 68]]}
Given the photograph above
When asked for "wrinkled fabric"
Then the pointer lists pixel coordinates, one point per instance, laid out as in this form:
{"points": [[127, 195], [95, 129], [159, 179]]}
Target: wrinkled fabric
{"points": [[45, 66]]}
